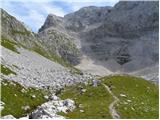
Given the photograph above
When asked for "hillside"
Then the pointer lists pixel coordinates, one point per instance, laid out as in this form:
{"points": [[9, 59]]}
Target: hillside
{"points": [[95, 63]]}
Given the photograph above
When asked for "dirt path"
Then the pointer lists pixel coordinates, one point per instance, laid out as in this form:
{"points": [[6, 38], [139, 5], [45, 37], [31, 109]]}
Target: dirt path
{"points": [[112, 110]]}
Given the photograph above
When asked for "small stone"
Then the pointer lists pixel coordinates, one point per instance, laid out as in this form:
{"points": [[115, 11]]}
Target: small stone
{"points": [[25, 108], [132, 108], [1, 105], [54, 97], [23, 90], [81, 110], [46, 97], [95, 83], [83, 90], [122, 95], [80, 106], [33, 96], [129, 100]]}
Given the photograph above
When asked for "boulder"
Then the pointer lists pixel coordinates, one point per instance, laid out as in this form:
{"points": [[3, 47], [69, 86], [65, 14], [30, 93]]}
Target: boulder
{"points": [[8, 117], [26, 107]]}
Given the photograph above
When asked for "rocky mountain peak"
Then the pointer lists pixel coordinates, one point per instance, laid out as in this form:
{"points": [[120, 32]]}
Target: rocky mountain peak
{"points": [[52, 21], [86, 16]]}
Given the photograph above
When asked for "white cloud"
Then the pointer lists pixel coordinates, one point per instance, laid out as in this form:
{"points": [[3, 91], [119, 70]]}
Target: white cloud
{"points": [[52, 9]]}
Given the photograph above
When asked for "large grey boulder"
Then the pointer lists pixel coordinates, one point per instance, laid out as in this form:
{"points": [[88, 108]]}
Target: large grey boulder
{"points": [[8, 117]]}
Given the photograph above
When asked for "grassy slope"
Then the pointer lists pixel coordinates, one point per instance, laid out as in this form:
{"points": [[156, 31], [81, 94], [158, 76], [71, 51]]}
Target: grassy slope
{"points": [[9, 44], [6, 71], [143, 95], [14, 99], [95, 101]]}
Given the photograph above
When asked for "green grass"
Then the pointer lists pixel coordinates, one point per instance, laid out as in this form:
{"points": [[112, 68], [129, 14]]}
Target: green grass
{"points": [[95, 101], [143, 95], [14, 31], [14, 99], [6, 71], [141, 101], [9, 44]]}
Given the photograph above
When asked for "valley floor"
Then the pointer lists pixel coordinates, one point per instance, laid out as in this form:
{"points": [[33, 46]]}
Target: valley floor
{"points": [[108, 97], [125, 97]]}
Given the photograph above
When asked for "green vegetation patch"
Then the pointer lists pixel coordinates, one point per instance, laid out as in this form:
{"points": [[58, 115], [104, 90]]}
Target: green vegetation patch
{"points": [[138, 98], [6, 71], [91, 104], [16, 97], [14, 31], [9, 44]]}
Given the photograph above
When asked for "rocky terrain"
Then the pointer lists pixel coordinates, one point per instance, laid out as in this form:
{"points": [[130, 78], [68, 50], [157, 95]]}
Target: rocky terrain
{"points": [[126, 44], [78, 49]]}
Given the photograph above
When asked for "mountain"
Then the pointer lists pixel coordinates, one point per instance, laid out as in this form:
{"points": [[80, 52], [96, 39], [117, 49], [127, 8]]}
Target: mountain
{"points": [[129, 36], [122, 38], [30, 73], [97, 57], [24, 54]]}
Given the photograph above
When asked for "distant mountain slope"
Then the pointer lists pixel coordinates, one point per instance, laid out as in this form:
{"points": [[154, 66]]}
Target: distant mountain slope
{"points": [[26, 60], [129, 35], [121, 38], [61, 46]]}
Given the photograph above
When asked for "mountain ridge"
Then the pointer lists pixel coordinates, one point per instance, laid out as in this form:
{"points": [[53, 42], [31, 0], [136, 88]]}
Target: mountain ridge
{"points": [[110, 39]]}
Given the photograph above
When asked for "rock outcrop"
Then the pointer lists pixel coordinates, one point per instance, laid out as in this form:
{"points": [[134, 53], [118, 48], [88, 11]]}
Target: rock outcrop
{"points": [[56, 40], [121, 38], [51, 108], [128, 36]]}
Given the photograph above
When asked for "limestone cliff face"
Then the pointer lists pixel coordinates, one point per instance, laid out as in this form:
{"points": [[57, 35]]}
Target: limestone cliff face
{"points": [[121, 38], [129, 35], [61, 44], [54, 36], [54, 45], [87, 16], [15, 30]]}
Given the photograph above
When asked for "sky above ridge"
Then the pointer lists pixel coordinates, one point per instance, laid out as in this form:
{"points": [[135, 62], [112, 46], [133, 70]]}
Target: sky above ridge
{"points": [[34, 12]]}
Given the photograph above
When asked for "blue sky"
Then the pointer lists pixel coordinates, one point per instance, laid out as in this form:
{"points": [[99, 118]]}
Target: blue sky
{"points": [[34, 12]]}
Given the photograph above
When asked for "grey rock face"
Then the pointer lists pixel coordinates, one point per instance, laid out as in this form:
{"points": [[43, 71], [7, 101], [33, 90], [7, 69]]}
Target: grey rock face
{"points": [[56, 40], [129, 35], [61, 44], [84, 17], [52, 20], [52, 42], [15, 30], [120, 38]]}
